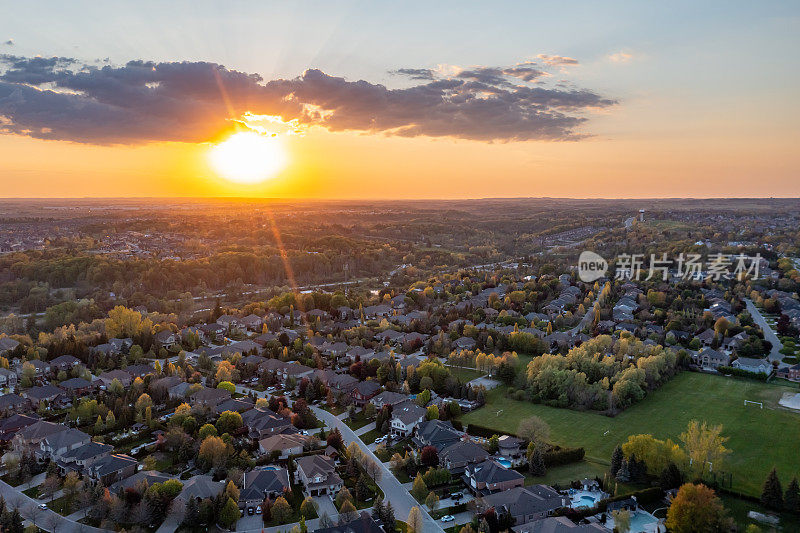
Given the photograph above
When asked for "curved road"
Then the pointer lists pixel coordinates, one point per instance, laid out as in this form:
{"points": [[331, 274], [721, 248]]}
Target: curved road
{"points": [[45, 519], [774, 354]]}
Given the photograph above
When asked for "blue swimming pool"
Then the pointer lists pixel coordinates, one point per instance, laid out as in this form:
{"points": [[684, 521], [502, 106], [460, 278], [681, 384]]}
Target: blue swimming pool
{"points": [[505, 462]]}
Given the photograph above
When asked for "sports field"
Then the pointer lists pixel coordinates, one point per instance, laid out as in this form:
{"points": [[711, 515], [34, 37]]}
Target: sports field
{"points": [[759, 438]]}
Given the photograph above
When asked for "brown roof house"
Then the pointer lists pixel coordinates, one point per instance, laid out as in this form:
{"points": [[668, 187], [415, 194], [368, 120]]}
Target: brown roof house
{"points": [[317, 474]]}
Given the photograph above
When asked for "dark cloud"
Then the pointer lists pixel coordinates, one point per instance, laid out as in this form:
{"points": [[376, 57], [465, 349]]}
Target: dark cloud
{"points": [[415, 73], [9, 42], [58, 98]]}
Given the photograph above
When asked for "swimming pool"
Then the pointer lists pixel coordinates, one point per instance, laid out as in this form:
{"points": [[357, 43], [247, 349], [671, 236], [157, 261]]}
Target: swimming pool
{"points": [[643, 522], [505, 462]]}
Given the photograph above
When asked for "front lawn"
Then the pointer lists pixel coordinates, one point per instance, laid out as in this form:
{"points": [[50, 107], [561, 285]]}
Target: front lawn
{"points": [[465, 374], [358, 421], [370, 436], [665, 413]]}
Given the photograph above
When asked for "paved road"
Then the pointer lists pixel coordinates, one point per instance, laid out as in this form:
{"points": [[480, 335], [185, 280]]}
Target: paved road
{"points": [[588, 316], [45, 519], [393, 491], [775, 354]]}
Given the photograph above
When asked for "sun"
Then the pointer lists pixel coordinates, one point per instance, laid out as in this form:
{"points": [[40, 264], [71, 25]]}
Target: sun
{"points": [[248, 157]]}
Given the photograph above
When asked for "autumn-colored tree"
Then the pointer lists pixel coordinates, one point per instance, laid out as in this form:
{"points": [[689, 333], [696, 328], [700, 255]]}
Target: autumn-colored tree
{"points": [[696, 508]]}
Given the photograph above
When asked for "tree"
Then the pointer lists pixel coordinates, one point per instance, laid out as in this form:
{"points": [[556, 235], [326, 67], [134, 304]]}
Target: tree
{"points": [[281, 510], [534, 429], [414, 520], [772, 493], [343, 496], [670, 477], [429, 456], [433, 413], [622, 520], [228, 422], [616, 460], [623, 474], [308, 508], [419, 489], [192, 515], [51, 485], [347, 512], [432, 501], [791, 500], [207, 431], [213, 451], [536, 463], [696, 508], [227, 385], [143, 402], [229, 514], [704, 445]]}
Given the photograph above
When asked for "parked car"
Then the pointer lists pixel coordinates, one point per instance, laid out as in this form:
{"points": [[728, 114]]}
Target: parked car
{"points": [[42, 506], [250, 511], [380, 439], [258, 509], [456, 496], [448, 518]]}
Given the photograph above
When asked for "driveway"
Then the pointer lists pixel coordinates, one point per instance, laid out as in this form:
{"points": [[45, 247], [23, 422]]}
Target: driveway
{"points": [[325, 505], [393, 491], [774, 354]]}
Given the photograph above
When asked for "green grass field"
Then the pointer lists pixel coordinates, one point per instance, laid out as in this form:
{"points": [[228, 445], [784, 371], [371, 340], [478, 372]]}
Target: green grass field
{"points": [[465, 374], [759, 439]]}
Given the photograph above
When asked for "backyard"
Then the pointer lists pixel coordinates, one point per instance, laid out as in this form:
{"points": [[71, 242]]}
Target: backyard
{"points": [[665, 413]]}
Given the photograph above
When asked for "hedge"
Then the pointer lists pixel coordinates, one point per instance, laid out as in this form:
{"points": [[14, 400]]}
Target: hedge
{"points": [[563, 456], [738, 372], [483, 431]]}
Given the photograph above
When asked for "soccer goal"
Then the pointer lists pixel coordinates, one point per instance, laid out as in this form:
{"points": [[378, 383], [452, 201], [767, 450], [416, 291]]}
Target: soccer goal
{"points": [[759, 404]]}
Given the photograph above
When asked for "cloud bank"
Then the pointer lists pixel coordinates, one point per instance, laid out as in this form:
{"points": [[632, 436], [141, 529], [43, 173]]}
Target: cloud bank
{"points": [[142, 101]]}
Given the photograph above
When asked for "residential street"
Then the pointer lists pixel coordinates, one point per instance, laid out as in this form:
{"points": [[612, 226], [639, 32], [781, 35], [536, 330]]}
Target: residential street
{"points": [[44, 518], [769, 334], [393, 491]]}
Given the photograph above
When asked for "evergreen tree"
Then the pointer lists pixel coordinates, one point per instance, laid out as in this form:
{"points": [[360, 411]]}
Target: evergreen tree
{"points": [[388, 517], [791, 500], [623, 474], [671, 477], [192, 515], [772, 494], [536, 463], [377, 509], [616, 460]]}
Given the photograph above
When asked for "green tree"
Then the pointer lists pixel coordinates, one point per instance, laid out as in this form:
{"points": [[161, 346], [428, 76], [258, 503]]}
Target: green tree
{"points": [[228, 422], [432, 501], [207, 431], [791, 500], [281, 510], [229, 514], [772, 493], [419, 490], [414, 520]]}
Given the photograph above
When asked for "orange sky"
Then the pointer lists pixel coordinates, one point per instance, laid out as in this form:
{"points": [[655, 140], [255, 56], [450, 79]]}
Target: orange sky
{"points": [[347, 165]]}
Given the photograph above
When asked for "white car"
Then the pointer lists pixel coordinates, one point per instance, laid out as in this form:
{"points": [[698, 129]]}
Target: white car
{"points": [[448, 518], [380, 439], [42, 506]]}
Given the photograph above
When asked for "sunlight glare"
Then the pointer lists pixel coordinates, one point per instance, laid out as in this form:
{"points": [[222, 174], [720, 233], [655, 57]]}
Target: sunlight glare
{"points": [[248, 157]]}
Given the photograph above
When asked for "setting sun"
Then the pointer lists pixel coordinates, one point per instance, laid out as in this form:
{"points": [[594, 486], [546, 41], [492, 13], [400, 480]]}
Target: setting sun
{"points": [[248, 157]]}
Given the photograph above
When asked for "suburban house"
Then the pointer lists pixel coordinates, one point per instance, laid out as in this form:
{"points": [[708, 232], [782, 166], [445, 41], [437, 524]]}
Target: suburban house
{"points": [[710, 358], [791, 373], [253, 322], [76, 386], [436, 433], [44, 393], [757, 366], [120, 375], [14, 423], [231, 324], [285, 444], [490, 476], [317, 474], [363, 524], [526, 504], [58, 444], [257, 485], [511, 448], [8, 378], [559, 524], [405, 418], [388, 398], [64, 362], [12, 402], [458, 455], [199, 488], [7, 345], [78, 459], [210, 397], [166, 339], [364, 391], [263, 423]]}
